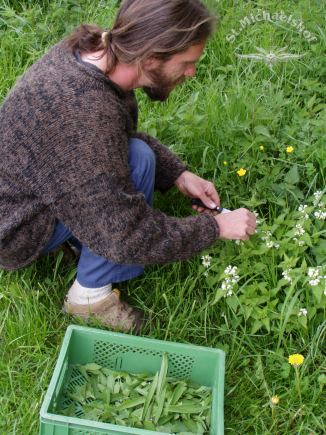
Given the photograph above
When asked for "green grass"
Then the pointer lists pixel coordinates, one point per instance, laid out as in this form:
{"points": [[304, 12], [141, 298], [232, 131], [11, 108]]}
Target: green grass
{"points": [[226, 113]]}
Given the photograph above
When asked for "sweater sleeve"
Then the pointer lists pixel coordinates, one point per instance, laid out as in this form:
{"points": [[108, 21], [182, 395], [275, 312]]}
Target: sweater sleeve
{"points": [[121, 227], [168, 165]]}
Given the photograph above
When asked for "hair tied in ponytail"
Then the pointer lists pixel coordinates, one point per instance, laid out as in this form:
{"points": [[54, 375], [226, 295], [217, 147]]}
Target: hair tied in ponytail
{"points": [[104, 37]]}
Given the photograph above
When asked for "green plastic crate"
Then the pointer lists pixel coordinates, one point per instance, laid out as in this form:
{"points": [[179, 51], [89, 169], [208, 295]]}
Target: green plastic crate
{"points": [[123, 352]]}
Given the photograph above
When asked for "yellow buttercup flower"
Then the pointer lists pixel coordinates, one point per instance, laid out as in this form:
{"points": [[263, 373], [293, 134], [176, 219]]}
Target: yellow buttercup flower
{"points": [[275, 400], [241, 172], [296, 360], [289, 149], [261, 147], [224, 163]]}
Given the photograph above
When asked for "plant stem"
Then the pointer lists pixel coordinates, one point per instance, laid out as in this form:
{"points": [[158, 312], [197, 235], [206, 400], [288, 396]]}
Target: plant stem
{"points": [[298, 382]]}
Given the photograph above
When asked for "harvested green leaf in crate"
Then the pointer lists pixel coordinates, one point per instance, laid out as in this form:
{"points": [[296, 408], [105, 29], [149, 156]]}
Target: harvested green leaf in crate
{"points": [[161, 403], [98, 367]]}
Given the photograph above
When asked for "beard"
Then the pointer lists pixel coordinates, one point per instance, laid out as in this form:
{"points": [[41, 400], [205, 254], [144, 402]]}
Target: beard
{"points": [[162, 85]]}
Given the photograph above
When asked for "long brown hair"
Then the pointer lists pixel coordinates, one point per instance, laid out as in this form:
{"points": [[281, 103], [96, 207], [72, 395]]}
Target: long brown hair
{"points": [[146, 28]]}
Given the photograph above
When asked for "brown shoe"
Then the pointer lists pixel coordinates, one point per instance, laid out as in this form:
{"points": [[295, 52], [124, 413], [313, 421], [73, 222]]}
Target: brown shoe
{"points": [[112, 311]]}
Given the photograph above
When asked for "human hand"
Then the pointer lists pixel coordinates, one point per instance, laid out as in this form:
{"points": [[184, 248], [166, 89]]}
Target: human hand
{"points": [[195, 187], [238, 224]]}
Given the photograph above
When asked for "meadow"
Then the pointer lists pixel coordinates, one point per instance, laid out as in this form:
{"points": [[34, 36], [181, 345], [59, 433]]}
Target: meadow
{"points": [[253, 121]]}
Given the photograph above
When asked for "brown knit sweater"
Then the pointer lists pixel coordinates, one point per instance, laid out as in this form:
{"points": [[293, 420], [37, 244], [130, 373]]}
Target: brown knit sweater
{"points": [[64, 130]]}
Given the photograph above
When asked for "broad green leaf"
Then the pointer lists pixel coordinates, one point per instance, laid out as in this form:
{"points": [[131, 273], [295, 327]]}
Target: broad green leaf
{"points": [[186, 409], [149, 396], [131, 403], [303, 321], [162, 376], [83, 371], [318, 291], [163, 429], [178, 392], [190, 424], [110, 383], [160, 404], [292, 176], [70, 411], [92, 367], [257, 325], [149, 425], [109, 372], [164, 419], [261, 129], [107, 395], [120, 422]]}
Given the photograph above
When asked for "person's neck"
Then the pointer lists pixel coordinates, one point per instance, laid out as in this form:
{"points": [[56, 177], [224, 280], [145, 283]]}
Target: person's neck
{"points": [[123, 75]]}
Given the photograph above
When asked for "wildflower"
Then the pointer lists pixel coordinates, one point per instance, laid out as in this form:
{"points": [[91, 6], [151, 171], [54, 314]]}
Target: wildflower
{"points": [[206, 274], [231, 271], [223, 315], [229, 293], [275, 400], [301, 242], [296, 360], [314, 273], [300, 231], [270, 244], [261, 147], [321, 215], [302, 312], [239, 242], [120, 400], [302, 210], [241, 172], [321, 204], [225, 163], [318, 196], [268, 234], [206, 260], [286, 274], [277, 246], [289, 149], [255, 213]]}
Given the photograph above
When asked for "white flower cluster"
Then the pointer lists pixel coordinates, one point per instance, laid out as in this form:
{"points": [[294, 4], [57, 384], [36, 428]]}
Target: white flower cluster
{"points": [[286, 274], [299, 231], [206, 260], [321, 215], [268, 235], [239, 242], [230, 280], [302, 210], [314, 273], [269, 243], [302, 312], [317, 195]]}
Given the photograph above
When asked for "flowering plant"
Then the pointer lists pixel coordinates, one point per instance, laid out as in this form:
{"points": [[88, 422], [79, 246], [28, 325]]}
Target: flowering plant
{"points": [[276, 280]]}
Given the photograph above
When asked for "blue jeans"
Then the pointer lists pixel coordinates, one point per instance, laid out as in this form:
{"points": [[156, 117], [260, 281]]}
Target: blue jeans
{"points": [[94, 271]]}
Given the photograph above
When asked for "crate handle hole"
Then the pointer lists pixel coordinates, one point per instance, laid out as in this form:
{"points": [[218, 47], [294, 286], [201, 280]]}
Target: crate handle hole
{"points": [[118, 364]]}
